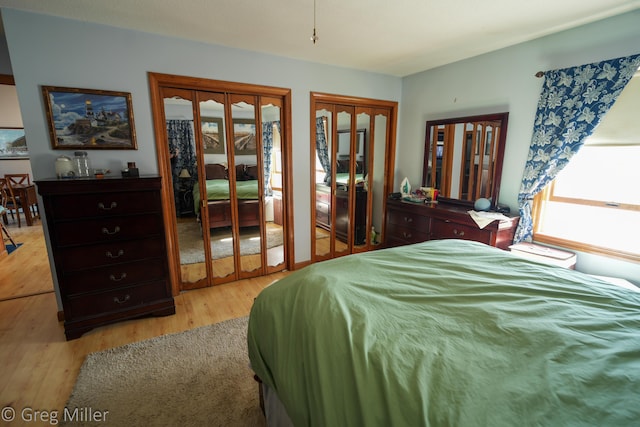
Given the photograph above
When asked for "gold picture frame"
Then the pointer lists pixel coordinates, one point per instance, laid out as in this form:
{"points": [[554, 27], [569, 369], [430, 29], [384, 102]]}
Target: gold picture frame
{"points": [[89, 119]]}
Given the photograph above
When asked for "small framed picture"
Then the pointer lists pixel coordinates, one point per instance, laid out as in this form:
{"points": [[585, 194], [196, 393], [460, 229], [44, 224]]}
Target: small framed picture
{"points": [[244, 136], [13, 144], [213, 135], [89, 119]]}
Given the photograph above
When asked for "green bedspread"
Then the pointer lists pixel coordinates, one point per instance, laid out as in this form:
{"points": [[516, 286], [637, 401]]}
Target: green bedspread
{"points": [[218, 189], [448, 333], [343, 178]]}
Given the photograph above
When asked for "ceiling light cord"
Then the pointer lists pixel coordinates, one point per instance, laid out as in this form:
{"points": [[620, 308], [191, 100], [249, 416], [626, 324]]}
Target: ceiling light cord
{"points": [[314, 37]]}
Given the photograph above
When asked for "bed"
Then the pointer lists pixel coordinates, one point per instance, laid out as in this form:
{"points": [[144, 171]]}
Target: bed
{"points": [[446, 333], [218, 202]]}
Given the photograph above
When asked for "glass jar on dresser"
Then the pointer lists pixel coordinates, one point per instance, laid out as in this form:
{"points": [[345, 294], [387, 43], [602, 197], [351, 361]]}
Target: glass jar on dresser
{"points": [[108, 245], [409, 223]]}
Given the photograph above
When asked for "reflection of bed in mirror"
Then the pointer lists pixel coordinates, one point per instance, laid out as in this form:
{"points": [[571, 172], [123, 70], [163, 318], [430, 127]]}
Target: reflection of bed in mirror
{"points": [[218, 202], [323, 203]]}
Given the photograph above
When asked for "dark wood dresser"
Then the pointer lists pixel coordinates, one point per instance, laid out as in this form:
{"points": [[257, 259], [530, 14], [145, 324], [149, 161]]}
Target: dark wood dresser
{"points": [[108, 245], [409, 222], [323, 212]]}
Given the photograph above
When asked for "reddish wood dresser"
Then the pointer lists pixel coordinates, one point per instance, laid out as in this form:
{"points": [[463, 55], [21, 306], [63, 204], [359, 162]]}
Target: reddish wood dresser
{"points": [[417, 222]]}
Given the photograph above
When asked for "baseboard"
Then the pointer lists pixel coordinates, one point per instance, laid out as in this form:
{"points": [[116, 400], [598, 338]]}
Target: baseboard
{"points": [[299, 265]]}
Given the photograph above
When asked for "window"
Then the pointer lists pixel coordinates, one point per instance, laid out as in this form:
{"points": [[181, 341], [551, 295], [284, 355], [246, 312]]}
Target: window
{"points": [[276, 174], [593, 205]]}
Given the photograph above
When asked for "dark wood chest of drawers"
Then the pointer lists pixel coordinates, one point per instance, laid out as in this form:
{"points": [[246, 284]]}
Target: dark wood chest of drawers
{"points": [[323, 213], [409, 223], [108, 245]]}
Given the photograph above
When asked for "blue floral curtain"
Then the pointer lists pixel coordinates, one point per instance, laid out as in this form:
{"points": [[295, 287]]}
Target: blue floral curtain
{"points": [[182, 152], [321, 147], [572, 104], [267, 150]]}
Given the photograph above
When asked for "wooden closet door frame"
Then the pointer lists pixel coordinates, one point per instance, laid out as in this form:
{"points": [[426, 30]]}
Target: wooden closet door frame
{"points": [[159, 80], [377, 106]]}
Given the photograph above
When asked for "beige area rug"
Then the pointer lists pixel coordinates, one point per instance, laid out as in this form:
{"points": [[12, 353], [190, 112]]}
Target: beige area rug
{"points": [[200, 377], [321, 233], [192, 247]]}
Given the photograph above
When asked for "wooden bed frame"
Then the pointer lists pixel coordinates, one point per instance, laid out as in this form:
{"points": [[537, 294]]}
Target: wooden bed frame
{"points": [[219, 212]]}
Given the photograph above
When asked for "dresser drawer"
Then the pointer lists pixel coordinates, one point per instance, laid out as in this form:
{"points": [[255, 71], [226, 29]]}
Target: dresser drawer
{"points": [[114, 300], [452, 230], [322, 213], [103, 230], [83, 257], [113, 276], [408, 219], [105, 204], [323, 197], [407, 235]]}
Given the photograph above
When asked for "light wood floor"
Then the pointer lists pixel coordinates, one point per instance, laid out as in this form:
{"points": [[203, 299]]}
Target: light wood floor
{"points": [[26, 271], [39, 367]]}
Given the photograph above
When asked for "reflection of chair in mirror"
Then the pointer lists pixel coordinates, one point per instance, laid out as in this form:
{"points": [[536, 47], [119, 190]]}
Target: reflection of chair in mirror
{"points": [[9, 202]]}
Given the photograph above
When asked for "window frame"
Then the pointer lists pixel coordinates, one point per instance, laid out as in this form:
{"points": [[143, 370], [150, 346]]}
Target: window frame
{"points": [[547, 195]]}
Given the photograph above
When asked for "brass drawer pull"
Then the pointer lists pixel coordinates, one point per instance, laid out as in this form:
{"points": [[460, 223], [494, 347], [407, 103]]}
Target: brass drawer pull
{"points": [[106, 231], [117, 279], [458, 233], [408, 219], [110, 255], [104, 208], [121, 301], [406, 235]]}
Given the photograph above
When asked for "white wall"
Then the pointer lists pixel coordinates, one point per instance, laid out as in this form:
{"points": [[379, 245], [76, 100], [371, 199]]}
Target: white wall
{"points": [[504, 81], [53, 51]]}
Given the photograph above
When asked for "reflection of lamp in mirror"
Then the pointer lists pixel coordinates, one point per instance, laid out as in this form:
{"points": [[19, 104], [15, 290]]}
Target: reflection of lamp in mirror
{"points": [[184, 196], [185, 179]]}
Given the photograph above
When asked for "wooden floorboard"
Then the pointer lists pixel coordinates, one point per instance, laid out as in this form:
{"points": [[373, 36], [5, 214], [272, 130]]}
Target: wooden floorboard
{"points": [[26, 271], [39, 367]]}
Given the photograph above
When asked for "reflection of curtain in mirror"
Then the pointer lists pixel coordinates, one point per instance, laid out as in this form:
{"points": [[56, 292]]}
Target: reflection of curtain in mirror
{"points": [[321, 147], [267, 149], [182, 153]]}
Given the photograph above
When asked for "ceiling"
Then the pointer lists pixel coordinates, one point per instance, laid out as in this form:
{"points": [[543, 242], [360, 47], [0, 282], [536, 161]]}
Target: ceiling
{"points": [[396, 38]]}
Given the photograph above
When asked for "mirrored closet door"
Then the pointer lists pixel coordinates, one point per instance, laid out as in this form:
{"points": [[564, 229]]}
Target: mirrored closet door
{"points": [[352, 172], [224, 153]]}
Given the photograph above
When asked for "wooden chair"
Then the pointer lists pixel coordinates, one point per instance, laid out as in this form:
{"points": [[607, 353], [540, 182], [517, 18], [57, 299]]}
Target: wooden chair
{"points": [[18, 178], [7, 235], [14, 179], [9, 202]]}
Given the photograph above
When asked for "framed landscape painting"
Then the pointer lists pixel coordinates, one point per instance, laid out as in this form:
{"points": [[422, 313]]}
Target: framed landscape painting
{"points": [[213, 135], [244, 136], [13, 144], [89, 119]]}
